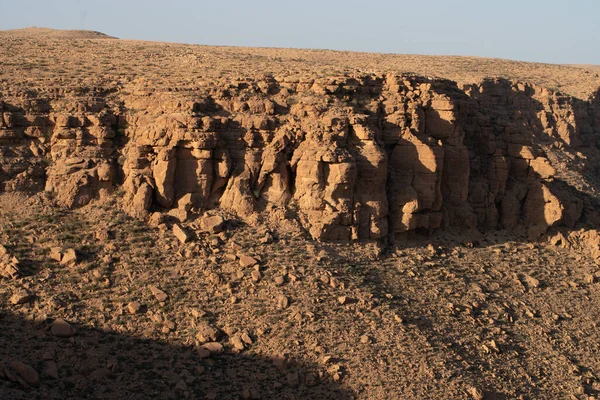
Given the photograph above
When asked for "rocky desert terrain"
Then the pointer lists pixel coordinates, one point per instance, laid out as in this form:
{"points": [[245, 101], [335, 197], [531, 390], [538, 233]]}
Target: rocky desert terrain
{"points": [[185, 221]]}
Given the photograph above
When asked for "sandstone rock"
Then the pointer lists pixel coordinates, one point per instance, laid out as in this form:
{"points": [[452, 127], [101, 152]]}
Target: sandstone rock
{"points": [[20, 297], [256, 275], [282, 302], [212, 224], [247, 261], [207, 333], [62, 329], [542, 210], [69, 257], [542, 167], [179, 214], [202, 352], [169, 326], [9, 266], [141, 201], [237, 343], [245, 337], [186, 202], [56, 254], [164, 176], [531, 281], [229, 330], [213, 347], [518, 150], [156, 219], [279, 361], [134, 307], [558, 239], [158, 294], [180, 233], [437, 155], [11, 270], [26, 372]]}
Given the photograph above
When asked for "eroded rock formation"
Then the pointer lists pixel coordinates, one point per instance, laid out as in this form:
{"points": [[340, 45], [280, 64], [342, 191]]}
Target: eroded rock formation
{"points": [[348, 157]]}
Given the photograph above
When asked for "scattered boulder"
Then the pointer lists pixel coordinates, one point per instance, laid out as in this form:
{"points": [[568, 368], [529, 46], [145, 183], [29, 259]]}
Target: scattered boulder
{"points": [[185, 202], [62, 329], [202, 352], [20, 297], [247, 261], [279, 361], [156, 219], [282, 302], [179, 214], [26, 373], [213, 347], [246, 337], [207, 333], [212, 224], [56, 254], [256, 275], [69, 257], [180, 233], [531, 281], [158, 294], [134, 307], [279, 280], [237, 343]]}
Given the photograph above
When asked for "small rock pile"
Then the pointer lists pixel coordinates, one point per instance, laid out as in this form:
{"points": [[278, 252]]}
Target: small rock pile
{"points": [[9, 266]]}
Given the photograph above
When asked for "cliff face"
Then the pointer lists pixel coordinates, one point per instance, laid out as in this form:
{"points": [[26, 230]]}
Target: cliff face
{"points": [[347, 157]]}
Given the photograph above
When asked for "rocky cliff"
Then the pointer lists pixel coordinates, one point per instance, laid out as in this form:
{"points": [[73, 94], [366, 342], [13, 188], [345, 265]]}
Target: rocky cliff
{"points": [[347, 157]]}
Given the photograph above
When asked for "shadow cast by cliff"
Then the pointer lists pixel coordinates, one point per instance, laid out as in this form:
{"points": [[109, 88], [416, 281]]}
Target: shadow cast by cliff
{"points": [[107, 365]]}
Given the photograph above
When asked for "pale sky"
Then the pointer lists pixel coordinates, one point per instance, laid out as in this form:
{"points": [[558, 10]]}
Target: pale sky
{"points": [[554, 31]]}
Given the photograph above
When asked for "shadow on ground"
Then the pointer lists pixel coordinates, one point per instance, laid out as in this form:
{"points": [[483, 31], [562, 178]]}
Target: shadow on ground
{"points": [[98, 365]]}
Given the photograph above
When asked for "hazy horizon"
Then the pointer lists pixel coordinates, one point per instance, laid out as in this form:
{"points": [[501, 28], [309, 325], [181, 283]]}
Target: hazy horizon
{"points": [[538, 31]]}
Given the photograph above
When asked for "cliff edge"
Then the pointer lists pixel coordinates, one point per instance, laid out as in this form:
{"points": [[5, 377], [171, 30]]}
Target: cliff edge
{"points": [[345, 157]]}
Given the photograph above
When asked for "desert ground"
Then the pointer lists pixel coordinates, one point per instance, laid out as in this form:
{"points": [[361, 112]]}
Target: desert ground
{"points": [[128, 284]]}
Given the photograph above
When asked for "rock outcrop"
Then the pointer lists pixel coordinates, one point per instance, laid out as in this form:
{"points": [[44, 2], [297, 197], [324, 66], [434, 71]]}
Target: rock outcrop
{"points": [[348, 157], [9, 265]]}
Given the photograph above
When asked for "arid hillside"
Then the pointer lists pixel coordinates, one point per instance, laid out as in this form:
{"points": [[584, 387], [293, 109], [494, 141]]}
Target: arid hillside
{"points": [[47, 33], [117, 62], [220, 222]]}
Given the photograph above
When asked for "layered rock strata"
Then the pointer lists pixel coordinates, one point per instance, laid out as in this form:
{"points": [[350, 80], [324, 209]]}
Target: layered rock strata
{"points": [[348, 157]]}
